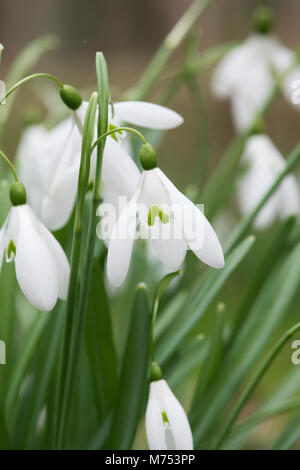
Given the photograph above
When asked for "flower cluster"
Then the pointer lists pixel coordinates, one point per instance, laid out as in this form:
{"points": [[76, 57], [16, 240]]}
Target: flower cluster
{"points": [[248, 76]]}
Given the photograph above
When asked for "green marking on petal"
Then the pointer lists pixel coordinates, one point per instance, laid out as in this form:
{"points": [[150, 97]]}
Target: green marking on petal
{"points": [[165, 417], [11, 249], [111, 127], [156, 211]]}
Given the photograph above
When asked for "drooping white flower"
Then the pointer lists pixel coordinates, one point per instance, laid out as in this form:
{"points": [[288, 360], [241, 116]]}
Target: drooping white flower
{"points": [[263, 163], [167, 426], [247, 74], [166, 217], [42, 268], [50, 161], [49, 167]]}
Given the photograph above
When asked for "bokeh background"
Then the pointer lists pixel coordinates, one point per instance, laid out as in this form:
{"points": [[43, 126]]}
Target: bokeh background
{"points": [[129, 32]]}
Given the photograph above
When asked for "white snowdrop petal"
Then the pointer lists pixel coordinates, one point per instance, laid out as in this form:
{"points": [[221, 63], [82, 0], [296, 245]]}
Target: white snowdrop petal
{"points": [[120, 244], [170, 251], [153, 419], [148, 115], [263, 164], [227, 72], [199, 234], [56, 207], [59, 258], [290, 200], [119, 171], [177, 434], [35, 269]]}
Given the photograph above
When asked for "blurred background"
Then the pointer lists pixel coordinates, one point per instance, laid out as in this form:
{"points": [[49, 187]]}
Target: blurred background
{"points": [[129, 32]]}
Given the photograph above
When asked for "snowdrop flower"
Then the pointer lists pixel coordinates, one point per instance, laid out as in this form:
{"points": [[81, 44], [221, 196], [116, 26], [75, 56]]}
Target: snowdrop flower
{"points": [[50, 160], [42, 268], [263, 164], [49, 167], [247, 74], [167, 217], [167, 426]]}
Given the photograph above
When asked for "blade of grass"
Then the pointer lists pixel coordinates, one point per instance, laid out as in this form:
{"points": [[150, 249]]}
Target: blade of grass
{"points": [[253, 384], [197, 304], [213, 359], [168, 46], [249, 344], [100, 344], [130, 395]]}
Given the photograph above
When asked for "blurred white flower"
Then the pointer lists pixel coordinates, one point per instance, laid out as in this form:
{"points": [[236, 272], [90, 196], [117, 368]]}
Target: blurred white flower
{"points": [[42, 268], [49, 166], [169, 219], [247, 74], [263, 164], [50, 161], [167, 426]]}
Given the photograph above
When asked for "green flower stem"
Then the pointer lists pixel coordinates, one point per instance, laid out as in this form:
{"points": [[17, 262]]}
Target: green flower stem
{"points": [[78, 304], [103, 100], [153, 321], [169, 45], [246, 223], [27, 79], [118, 129], [253, 383], [10, 165], [160, 291], [70, 351]]}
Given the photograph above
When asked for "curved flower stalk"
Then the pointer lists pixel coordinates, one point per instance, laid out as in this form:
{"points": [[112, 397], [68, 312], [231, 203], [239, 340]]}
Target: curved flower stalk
{"points": [[2, 83], [50, 160], [42, 268], [166, 217], [263, 165], [246, 75], [167, 426]]}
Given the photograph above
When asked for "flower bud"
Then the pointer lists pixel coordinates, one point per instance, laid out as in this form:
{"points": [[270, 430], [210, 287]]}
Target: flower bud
{"points": [[17, 194], [155, 372], [148, 157], [263, 20], [70, 97]]}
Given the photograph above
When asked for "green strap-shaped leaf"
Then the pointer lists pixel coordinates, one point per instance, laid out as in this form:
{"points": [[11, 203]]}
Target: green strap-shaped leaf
{"points": [[130, 395], [24, 358], [250, 342], [289, 436], [100, 344], [4, 437], [197, 305], [213, 359]]}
